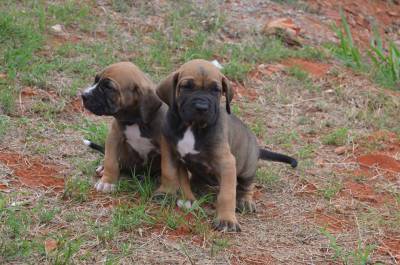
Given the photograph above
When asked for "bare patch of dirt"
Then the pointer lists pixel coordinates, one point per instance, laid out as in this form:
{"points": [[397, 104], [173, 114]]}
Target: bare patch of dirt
{"points": [[365, 193], [241, 91], [75, 105], [32, 171], [264, 259], [391, 246], [306, 188], [58, 40], [265, 70], [315, 69], [333, 224]]}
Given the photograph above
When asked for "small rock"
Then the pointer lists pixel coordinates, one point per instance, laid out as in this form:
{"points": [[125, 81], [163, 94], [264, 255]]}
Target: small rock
{"points": [[340, 150], [284, 28], [57, 29]]}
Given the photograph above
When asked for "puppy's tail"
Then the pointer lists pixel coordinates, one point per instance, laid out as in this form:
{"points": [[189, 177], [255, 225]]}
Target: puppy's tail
{"points": [[94, 146], [277, 157]]}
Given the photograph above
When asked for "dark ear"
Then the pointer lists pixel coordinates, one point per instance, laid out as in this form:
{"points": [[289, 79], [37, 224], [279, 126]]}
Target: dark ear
{"points": [[166, 90], [149, 104], [227, 90]]}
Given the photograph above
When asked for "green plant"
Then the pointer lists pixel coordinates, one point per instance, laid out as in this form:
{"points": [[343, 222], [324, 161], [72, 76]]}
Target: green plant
{"points": [[257, 127], [7, 99], [4, 124], [331, 189], [77, 189], [306, 151], [95, 132], [218, 245], [338, 137], [268, 177], [347, 51], [359, 256], [387, 64], [65, 250], [125, 218]]}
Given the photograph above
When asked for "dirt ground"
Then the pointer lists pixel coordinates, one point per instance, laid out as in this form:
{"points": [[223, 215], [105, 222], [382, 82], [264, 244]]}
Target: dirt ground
{"points": [[340, 206]]}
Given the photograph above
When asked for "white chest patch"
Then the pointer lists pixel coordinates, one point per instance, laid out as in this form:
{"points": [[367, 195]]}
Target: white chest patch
{"points": [[186, 144], [140, 144]]}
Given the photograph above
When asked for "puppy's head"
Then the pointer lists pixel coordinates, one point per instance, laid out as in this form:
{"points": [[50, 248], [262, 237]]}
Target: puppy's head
{"points": [[119, 87], [195, 91]]}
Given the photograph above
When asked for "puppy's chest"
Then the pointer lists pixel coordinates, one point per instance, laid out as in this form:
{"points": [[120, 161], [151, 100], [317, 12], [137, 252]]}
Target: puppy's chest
{"points": [[194, 158], [142, 145]]}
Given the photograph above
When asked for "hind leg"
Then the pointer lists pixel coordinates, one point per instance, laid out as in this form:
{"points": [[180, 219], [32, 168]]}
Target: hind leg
{"points": [[244, 196]]}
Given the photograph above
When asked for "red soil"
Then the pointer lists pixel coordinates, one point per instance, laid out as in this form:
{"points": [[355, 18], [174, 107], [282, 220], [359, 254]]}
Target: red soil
{"points": [[391, 246], [381, 161], [314, 68], [359, 15], [365, 193], [331, 223], [32, 172]]}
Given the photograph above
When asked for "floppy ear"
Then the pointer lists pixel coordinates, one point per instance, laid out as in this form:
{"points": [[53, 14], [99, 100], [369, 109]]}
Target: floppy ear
{"points": [[149, 104], [227, 90], [166, 90]]}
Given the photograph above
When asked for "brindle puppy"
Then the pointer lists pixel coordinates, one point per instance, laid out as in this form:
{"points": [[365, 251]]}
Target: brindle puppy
{"points": [[204, 138], [123, 91]]}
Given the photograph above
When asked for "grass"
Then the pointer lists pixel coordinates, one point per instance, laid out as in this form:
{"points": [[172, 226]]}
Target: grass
{"points": [[218, 245], [359, 256], [347, 50], [77, 189], [338, 137], [4, 124], [125, 218], [383, 64], [93, 131], [268, 177], [85, 231], [386, 63], [330, 190]]}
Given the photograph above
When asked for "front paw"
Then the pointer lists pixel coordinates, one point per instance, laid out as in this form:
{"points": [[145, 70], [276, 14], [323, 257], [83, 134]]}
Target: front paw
{"points": [[245, 206], [104, 186], [227, 225]]}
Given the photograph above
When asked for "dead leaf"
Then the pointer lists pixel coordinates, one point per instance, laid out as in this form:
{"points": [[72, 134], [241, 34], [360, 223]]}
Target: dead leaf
{"points": [[29, 92], [50, 245]]}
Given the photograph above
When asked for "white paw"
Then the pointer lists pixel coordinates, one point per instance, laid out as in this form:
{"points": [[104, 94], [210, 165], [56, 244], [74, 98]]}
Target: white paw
{"points": [[104, 187], [100, 171], [184, 204]]}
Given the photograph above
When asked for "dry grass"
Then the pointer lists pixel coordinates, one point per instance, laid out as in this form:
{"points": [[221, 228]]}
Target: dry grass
{"points": [[329, 210]]}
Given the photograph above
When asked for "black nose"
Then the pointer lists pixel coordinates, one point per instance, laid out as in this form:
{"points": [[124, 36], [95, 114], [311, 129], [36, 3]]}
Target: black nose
{"points": [[201, 106]]}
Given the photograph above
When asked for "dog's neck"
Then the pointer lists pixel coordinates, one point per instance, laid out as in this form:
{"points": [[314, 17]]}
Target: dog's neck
{"points": [[129, 116]]}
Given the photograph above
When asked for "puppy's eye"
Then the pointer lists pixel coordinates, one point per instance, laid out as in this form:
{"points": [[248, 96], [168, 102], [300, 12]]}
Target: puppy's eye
{"points": [[215, 89], [186, 87]]}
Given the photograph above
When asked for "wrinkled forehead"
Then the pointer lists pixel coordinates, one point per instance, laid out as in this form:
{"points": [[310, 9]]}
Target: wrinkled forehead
{"points": [[200, 75], [124, 75]]}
